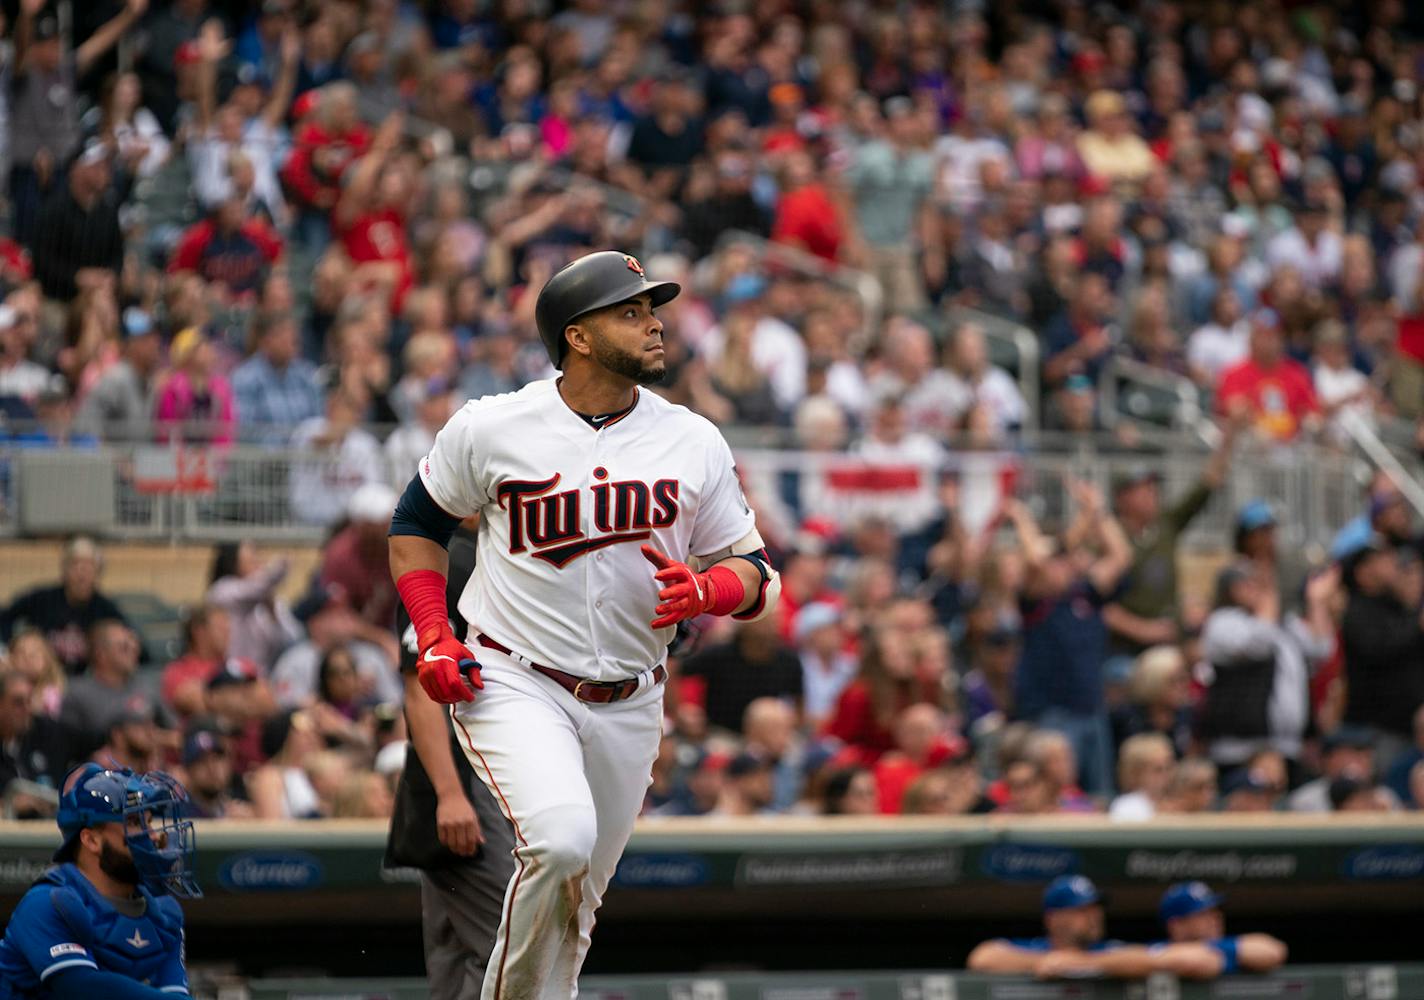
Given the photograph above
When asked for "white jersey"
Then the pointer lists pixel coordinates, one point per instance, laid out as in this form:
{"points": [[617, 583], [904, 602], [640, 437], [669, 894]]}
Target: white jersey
{"points": [[564, 510]]}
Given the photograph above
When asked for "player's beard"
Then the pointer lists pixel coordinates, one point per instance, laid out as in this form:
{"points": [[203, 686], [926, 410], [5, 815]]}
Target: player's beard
{"points": [[118, 865], [630, 365]]}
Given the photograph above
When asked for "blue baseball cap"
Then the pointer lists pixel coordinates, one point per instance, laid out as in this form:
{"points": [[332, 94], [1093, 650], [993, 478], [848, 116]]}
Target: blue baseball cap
{"points": [[1256, 514], [1187, 898], [1067, 891], [743, 288]]}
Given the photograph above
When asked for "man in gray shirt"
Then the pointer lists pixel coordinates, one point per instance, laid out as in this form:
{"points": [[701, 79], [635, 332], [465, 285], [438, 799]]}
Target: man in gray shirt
{"points": [[44, 122], [119, 407], [110, 689], [890, 179]]}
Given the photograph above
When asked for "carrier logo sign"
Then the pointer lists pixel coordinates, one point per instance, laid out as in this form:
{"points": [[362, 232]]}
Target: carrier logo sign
{"points": [[661, 871], [270, 872], [1029, 862], [1394, 862]]}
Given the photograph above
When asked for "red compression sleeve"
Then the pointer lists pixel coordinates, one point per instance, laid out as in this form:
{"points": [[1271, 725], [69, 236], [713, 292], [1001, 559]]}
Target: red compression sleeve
{"points": [[728, 591], [423, 593]]}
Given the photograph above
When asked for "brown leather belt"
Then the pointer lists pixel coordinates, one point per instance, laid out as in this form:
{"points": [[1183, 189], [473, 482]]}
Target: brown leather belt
{"points": [[593, 692]]}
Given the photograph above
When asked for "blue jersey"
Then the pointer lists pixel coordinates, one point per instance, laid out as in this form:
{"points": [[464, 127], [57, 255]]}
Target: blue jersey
{"points": [[63, 922], [1225, 946], [1041, 944]]}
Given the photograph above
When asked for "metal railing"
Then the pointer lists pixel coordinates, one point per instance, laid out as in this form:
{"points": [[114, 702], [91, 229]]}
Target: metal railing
{"points": [[175, 493]]}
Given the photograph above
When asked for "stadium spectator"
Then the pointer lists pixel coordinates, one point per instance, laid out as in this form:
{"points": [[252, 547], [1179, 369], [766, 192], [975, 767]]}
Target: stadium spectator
{"points": [[988, 685], [1310, 247], [120, 405], [849, 791], [64, 613], [1080, 339], [363, 795], [756, 663], [1110, 149], [1144, 770], [991, 401], [194, 403], [130, 741], [748, 788], [281, 788], [1382, 636], [433, 402], [342, 709], [1159, 699], [890, 681], [1249, 790], [769, 731], [1060, 682], [239, 701], [355, 572], [826, 665], [43, 107], [206, 636], [32, 657], [1258, 696], [244, 585], [1144, 611], [32, 746], [1192, 788], [78, 243], [1255, 540], [1344, 392], [890, 180], [21, 380], [1272, 390], [1348, 753], [1398, 770], [208, 775], [132, 131], [276, 388], [1220, 343], [1197, 943], [110, 689], [231, 250], [342, 458], [323, 148]]}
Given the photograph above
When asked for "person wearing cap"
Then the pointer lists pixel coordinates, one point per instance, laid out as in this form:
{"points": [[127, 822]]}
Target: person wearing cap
{"points": [[432, 400], [339, 457], [748, 788], [1072, 945], [1255, 541], [119, 406], [1145, 611], [1382, 638], [65, 612], [776, 351], [1197, 945], [1269, 389], [275, 388], [207, 774], [1258, 697], [826, 666]]}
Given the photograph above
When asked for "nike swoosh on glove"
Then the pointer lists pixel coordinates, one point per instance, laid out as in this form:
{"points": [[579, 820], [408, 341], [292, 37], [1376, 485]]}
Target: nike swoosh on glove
{"points": [[447, 671], [685, 593]]}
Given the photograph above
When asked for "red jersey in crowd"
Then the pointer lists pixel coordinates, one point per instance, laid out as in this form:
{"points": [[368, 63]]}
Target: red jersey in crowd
{"points": [[377, 237], [1280, 396], [237, 260], [807, 217], [313, 171]]}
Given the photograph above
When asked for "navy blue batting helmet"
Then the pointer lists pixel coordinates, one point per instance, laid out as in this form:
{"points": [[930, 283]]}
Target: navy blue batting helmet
{"points": [[593, 281], [151, 809]]}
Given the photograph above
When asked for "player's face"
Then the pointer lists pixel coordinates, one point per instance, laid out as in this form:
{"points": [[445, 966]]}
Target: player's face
{"points": [[1078, 927], [627, 339], [115, 859], [1208, 925]]}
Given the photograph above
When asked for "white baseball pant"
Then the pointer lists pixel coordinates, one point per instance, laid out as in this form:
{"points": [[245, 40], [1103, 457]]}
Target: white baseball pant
{"points": [[571, 779]]}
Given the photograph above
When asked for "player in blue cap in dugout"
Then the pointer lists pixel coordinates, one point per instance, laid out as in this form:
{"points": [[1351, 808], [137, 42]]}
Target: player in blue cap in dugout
{"points": [[1197, 943]]}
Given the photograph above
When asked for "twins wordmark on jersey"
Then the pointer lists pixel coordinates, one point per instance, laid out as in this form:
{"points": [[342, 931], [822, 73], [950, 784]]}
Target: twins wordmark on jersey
{"points": [[565, 507]]}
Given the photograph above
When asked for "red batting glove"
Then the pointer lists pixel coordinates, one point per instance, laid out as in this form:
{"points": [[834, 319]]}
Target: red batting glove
{"points": [[448, 671], [687, 594]]}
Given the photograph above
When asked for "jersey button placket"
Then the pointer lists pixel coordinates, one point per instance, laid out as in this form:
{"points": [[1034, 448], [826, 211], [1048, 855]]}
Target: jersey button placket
{"points": [[595, 574]]}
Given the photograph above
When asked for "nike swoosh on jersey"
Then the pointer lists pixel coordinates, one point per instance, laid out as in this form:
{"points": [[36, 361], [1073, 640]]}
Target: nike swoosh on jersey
{"points": [[561, 555]]}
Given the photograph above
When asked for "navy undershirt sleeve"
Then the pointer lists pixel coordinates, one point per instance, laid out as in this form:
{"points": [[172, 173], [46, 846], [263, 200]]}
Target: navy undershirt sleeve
{"points": [[81, 983], [418, 514]]}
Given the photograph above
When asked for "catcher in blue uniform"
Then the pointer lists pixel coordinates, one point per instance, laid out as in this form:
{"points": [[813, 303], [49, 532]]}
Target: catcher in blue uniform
{"points": [[103, 922]]}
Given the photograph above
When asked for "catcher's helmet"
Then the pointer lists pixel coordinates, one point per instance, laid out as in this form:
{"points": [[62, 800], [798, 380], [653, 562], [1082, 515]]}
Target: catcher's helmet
{"points": [[591, 282], [162, 840]]}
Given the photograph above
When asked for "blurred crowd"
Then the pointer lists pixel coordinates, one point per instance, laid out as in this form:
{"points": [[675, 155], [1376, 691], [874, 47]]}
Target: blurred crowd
{"points": [[321, 224]]}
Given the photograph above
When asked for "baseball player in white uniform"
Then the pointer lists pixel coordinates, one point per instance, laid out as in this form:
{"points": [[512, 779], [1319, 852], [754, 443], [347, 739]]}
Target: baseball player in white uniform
{"points": [[607, 516]]}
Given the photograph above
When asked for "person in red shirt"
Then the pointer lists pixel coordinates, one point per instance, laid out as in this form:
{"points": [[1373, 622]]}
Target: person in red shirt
{"points": [[185, 680], [806, 215], [355, 566], [889, 683], [230, 250], [370, 218], [325, 146], [1272, 390]]}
